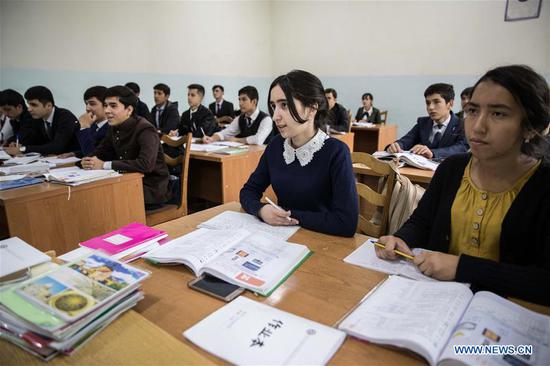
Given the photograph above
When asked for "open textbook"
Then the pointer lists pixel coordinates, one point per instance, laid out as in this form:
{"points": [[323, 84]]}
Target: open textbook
{"points": [[436, 319], [418, 161], [365, 256], [246, 332], [256, 261], [75, 176]]}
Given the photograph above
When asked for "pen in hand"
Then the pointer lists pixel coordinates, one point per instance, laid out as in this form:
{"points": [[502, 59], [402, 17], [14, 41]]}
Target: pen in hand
{"points": [[203, 134], [276, 206]]}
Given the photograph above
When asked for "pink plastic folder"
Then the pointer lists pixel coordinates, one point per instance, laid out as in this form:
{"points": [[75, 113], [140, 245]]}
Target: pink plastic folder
{"points": [[124, 238]]}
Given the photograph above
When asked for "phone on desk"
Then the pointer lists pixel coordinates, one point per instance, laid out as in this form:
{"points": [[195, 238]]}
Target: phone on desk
{"points": [[215, 287]]}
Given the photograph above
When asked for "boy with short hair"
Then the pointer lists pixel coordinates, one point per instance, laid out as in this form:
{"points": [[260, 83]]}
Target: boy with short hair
{"points": [[339, 114], [165, 113], [222, 109], [197, 119], [464, 99], [16, 113], [93, 123], [142, 109]]}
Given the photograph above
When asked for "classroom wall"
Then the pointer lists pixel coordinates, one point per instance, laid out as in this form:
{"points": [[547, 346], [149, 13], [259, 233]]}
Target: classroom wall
{"points": [[393, 49]]}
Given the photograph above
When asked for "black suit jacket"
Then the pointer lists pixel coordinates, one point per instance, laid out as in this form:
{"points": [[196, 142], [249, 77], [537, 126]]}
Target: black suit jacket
{"points": [[339, 118], [63, 134], [225, 110], [169, 119], [374, 117], [203, 119], [143, 111]]}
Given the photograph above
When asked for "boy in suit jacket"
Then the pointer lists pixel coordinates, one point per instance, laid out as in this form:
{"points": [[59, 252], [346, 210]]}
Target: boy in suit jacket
{"points": [[464, 99], [339, 114], [142, 109], [441, 134], [197, 119], [53, 130], [93, 123], [20, 120], [222, 109], [367, 112], [165, 114]]}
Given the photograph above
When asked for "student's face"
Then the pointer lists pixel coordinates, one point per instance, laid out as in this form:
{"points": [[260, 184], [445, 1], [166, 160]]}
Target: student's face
{"points": [[13, 112], [194, 98], [331, 100], [218, 93], [437, 108], [464, 99], [95, 107], [39, 110], [286, 124], [367, 103], [493, 123], [246, 105], [115, 111], [160, 97]]}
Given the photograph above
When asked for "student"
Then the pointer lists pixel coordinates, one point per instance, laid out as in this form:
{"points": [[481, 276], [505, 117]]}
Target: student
{"points": [[20, 120], [53, 130], [251, 127], [197, 119], [367, 112], [6, 130], [222, 109], [339, 120], [464, 99], [93, 123], [131, 145], [486, 214], [310, 173], [441, 134], [142, 108], [165, 114]]}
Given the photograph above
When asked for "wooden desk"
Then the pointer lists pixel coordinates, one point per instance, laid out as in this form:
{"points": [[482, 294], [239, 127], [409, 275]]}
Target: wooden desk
{"points": [[419, 176], [346, 139], [54, 216], [371, 139], [219, 178]]}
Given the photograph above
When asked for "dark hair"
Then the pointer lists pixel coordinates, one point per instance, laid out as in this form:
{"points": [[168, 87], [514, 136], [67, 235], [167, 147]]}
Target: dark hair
{"points": [[163, 88], [308, 89], [250, 92], [531, 92], [198, 87], [446, 91], [12, 98], [367, 95], [218, 86], [133, 87], [125, 95], [95, 91], [331, 91], [43, 94], [467, 92]]}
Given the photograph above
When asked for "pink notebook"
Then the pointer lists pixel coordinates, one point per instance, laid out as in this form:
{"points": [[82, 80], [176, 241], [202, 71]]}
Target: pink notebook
{"points": [[124, 238]]}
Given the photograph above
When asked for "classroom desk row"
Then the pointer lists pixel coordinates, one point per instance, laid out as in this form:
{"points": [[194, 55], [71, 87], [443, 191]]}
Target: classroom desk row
{"points": [[323, 289]]}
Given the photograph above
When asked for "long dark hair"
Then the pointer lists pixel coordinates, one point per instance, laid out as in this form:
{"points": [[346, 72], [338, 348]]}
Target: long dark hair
{"points": [[530, 90], [308, 89]]}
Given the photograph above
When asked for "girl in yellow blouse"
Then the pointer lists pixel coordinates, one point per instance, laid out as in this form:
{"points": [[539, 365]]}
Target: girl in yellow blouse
{"points": [[486, 215]]}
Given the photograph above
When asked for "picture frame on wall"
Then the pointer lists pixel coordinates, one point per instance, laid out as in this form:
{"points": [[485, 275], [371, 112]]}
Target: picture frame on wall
{"points": [[522, 9]]}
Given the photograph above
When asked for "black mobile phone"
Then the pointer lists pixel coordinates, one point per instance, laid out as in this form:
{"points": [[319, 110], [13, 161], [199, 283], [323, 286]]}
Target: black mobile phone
{"points": [[215, 287]]}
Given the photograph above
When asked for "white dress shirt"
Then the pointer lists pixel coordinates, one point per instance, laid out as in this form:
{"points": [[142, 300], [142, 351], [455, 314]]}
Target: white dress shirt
{"points": [[266, 125]]}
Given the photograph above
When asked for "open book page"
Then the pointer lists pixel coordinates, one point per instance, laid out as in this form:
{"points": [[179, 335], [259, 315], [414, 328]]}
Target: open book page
{"points": [[492, 320], [417, 315], [246, 332], [196, 248], [237, 220], [205, 147], [258, 262], [365, 256], [409, 158]]}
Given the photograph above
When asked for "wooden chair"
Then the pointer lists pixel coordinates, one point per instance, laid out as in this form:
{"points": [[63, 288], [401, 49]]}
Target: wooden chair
{"points": [[383, 116], [173, 211], [350, 119], [379, 198]]}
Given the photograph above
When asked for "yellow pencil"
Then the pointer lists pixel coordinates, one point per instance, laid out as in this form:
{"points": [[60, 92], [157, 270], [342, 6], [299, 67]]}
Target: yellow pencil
{"points": [[380, 245]]}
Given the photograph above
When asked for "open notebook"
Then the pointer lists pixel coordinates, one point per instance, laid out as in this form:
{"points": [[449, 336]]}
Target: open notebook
{"points": [[418, 161]]}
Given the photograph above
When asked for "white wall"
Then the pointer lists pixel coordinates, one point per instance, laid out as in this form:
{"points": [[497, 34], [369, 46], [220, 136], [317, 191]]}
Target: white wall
{"points": [[393, 49]]}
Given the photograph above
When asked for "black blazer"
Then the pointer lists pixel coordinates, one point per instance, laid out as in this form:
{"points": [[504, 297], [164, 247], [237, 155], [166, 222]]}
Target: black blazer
{"points": [[169, 119], [143, 111], [339, 118], [63, 134], [524, 267], [225, 110], [373, 118], [203, 119]]}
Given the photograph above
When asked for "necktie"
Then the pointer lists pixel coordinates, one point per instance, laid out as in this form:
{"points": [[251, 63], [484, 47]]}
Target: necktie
{"points": [[437, 136], [218, 107], [248, 121], [48, 129], [157, 117]]}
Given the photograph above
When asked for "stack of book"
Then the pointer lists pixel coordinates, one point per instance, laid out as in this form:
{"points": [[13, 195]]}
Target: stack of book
{"points": [[74, 176], [59, 311]]}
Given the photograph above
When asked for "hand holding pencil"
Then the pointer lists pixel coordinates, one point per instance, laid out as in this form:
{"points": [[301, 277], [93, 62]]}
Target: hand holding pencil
{"points": [[275, 215], [391, 247]]}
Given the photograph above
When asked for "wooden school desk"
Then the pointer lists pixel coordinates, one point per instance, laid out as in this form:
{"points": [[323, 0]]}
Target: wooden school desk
{"points": [[58, 217], [347, 139], [371, 139]]}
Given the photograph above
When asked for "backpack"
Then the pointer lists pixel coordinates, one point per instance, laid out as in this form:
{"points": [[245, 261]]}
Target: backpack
{"points": [[404, 199]]}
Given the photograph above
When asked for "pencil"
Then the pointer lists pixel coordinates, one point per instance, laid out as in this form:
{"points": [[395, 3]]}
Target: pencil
{"points": [[203, 134], [276, 206], [380, 245]]}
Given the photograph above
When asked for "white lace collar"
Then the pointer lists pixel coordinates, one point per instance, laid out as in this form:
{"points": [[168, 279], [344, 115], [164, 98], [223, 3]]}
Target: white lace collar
{"points": [[305, 152]]}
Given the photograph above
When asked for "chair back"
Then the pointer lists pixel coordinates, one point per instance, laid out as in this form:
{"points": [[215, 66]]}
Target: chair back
{"points": [[383, 116]]}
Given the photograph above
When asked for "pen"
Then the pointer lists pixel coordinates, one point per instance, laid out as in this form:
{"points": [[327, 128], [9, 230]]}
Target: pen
{"points": [[380, 245], [276, 206], [203, 134]]}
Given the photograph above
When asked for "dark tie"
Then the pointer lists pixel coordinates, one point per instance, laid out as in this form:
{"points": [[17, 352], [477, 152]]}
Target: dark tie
{"points": [[218, 107], [248, 121], [437, 136], [157, 117], [48, 129]]}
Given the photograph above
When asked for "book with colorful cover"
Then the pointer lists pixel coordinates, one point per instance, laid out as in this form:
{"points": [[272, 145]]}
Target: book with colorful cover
{"points": [[124, 238]]}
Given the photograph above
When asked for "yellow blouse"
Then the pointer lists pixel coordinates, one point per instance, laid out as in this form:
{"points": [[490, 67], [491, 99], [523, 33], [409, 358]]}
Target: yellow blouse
{"points": [[476, 216]]}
